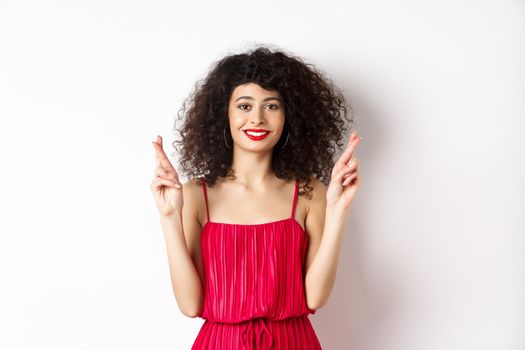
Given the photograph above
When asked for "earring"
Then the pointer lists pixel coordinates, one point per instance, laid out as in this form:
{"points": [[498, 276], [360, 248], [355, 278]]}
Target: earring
{"points": [[224, 133], [285, 142]]}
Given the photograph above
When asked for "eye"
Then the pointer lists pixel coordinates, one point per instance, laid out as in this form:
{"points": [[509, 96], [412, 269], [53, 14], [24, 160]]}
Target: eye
{"points": [[241, 106]]}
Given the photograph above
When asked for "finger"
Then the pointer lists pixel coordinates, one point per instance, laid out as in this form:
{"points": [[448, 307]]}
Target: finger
{"points": [[163, 174], [158, 164], [349, 179], [352, 164], [167, 174], [345, 171], [154, 143], [159, 182], [344, 158], [352, 159], [345, 180], [167, 177], [173, 182], [357, 180], [347, 154], [160, 171], [353, 137], [350, 173], [163, 158]]}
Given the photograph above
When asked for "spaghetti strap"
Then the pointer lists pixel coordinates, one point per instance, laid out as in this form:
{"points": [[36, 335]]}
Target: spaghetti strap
{"points": [[295, 198], [205, 198]]}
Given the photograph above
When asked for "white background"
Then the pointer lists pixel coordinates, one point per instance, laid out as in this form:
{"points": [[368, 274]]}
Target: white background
{"points": [[433, 254]]}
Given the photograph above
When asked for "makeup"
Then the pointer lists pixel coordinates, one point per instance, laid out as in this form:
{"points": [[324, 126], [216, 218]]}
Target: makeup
{"points": [[256, 136]]}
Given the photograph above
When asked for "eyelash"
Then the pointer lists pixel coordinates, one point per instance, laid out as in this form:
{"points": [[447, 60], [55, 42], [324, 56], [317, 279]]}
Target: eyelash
{"points": [[277, 107]]}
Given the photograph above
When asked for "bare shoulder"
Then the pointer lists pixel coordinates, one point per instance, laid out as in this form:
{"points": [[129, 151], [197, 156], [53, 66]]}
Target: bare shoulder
{"points": [[318, 194], [192, 185], [193, 198]]}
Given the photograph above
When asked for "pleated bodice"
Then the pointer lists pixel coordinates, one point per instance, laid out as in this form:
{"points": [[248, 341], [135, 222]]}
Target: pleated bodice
{"points": [[254, 270]]}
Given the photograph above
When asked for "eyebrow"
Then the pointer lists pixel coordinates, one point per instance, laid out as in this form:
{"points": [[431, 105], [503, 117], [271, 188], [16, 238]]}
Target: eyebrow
{"points": [[266, 99]]}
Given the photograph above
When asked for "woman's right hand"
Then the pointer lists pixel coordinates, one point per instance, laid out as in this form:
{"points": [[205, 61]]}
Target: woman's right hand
{"points": [[165, 186]]}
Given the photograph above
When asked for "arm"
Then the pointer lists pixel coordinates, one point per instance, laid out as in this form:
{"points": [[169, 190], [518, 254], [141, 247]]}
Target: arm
{"points": [[324, 225], [326, 219], [181, 234]]}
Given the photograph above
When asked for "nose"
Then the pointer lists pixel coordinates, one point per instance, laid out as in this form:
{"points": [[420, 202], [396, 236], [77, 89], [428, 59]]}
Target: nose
{"points": [[257, 117]]}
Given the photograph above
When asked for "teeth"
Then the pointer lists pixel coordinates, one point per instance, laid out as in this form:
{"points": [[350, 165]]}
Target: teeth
{"points": [[256, 133]]}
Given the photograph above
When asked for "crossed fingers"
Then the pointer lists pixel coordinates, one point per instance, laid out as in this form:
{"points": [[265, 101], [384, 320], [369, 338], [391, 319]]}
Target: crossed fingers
{"points": [[164, 168], [348, 154]]}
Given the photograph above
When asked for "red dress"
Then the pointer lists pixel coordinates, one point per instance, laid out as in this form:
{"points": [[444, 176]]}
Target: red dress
{"points": [[254, 294]]}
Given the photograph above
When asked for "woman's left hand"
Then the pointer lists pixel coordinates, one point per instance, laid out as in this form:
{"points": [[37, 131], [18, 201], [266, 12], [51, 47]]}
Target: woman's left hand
{"points": [[345, 177]]}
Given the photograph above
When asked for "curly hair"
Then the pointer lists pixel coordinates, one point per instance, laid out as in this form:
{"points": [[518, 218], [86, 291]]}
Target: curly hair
{"points": [[313, 105]]}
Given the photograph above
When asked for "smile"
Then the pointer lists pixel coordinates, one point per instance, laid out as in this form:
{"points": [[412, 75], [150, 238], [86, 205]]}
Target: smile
{"points": [[256, 136]]}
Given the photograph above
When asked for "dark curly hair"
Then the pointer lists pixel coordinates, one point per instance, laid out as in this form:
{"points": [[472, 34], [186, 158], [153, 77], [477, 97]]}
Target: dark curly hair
{"points": [[313, 105]]}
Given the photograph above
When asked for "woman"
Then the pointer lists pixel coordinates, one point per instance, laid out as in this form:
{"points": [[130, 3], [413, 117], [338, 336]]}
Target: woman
{"points": [[248, 251]]}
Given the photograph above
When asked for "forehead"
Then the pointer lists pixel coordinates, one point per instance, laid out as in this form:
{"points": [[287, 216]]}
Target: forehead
{"points": [[253, 90]]}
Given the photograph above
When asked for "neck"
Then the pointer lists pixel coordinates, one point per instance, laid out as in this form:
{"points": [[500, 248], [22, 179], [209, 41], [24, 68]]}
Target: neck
{"points": [[252, 167]]}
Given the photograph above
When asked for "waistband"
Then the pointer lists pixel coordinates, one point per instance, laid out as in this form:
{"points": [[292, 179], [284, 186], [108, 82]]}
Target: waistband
{"points": [[253, 339], [248, 334], [254, 329]]}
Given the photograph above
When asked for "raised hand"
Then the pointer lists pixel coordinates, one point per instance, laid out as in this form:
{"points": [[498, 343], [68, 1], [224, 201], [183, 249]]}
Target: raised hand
{"points": [[165, 186], [345, 176]]}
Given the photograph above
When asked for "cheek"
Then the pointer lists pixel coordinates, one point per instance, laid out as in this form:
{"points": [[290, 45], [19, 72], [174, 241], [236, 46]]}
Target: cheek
{"points": [[233, 115], [236, 122], [279, 125]]}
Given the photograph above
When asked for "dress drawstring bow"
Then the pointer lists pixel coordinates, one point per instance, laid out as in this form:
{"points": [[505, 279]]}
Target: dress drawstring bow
{"points": [[249, 331]]}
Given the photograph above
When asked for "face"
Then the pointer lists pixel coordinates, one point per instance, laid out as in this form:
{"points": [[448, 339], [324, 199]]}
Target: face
{"points": [[252, 107]]}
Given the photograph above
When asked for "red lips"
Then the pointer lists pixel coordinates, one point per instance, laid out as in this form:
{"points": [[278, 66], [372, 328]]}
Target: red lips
{"points": [[257, 138]]}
